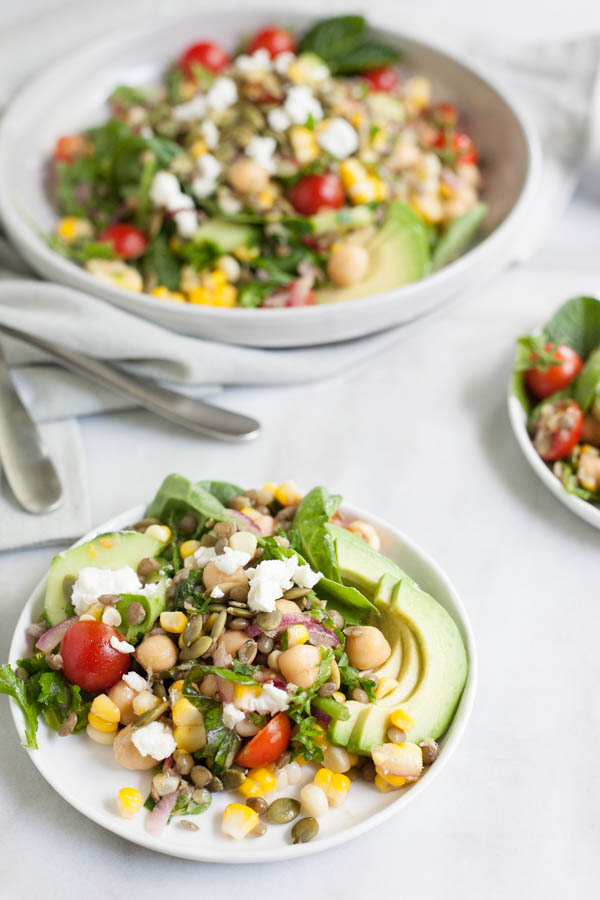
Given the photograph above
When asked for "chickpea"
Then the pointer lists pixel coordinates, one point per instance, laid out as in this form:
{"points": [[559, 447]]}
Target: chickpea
{"points": [[247, 176], [366, 647], [348, 264], [300, 664], [212, 577], [157, 652], [366, 532], [287, 607], [233, 640], [127, 754], [122, 696]]}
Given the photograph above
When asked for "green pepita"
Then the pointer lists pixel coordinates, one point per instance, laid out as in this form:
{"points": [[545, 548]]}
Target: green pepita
{"points": [[305, 830], [283, 810]]}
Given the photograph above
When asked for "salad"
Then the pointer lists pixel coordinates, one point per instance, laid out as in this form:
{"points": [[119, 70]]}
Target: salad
{"points": [[303, 168], [557, 380], [253, 642]]}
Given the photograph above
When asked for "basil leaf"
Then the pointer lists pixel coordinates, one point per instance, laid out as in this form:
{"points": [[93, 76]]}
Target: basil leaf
{"points": [[369, 55], [333, 38]]}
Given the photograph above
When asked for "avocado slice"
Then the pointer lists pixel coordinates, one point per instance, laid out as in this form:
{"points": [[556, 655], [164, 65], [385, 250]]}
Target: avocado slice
{"points": [[107, 551], [339, 731], [153, 606], [362, 567], [342, 219], [226, 235], [398, 253]]}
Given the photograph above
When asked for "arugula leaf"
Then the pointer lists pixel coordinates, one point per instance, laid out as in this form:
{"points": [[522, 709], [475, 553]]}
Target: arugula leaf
{"points": [[12, 685], [160, 262], [313, 513], [576, 323]]}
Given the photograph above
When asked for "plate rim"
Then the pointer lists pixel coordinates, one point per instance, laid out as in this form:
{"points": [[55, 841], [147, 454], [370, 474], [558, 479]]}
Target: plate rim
{"points": [[118, 826]]}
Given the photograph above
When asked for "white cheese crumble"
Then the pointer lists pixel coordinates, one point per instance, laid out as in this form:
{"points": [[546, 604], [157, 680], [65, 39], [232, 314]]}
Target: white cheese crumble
{"points": [[339, 138], [232, 715], [282, 62], [222, 94], [231, 560], [155, 740], [217, 593], [210, 133], [270, 700], [304, 577], [261, 150], [121, 646], [278, 119], [301, 103], [193, 109], [92, 582], [209, 168], [135, 681], [259, 61], [111, 616], [204, 555], [271, 578], [166, 191]]}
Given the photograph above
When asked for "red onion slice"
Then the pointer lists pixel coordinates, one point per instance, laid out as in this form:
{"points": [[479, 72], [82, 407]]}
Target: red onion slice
{"points": [[160, 814], [245, 521], [318, 635], [52, 638]]}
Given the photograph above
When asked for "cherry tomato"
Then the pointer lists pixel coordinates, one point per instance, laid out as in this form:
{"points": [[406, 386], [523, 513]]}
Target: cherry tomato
{"points": [[128, 241], [88, 658], [465, 148], [70, 146], [557, 429], [274, 41], [206, 54], [315, 192], [444, 115], [382, 79], [556, 376], [268, 745]]}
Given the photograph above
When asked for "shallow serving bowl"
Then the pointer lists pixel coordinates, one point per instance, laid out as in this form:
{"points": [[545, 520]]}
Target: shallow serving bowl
{"points": [[71, 95], [86, 775]]}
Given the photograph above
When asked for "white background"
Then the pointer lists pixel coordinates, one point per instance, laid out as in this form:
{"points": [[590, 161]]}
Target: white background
{"points": [[421, 437]]}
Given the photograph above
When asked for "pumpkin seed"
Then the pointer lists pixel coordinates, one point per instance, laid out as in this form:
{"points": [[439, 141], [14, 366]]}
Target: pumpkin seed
{"points": [[305, 830], [296, 592], [219, 625], [198, 648], [193, 630], [215, 785], [269, 621], [239, 604], [151, 715], [247, 652], [242, 613], [283, 810], [232, 779], [239, 593]]}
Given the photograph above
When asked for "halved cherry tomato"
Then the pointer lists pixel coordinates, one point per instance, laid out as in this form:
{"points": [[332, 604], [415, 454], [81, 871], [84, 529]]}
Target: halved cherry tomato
{"points": [[268, 745], [128, 241], [206, 54], [274, 41], [557, 371], [70, 146], [315, 192], [382, 79], [465, 148], [557, 429], [88, 658]]}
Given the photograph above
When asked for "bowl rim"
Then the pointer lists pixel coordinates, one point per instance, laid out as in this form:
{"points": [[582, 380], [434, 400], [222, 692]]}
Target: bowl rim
{"points": [[451, 739], [69, 273]]}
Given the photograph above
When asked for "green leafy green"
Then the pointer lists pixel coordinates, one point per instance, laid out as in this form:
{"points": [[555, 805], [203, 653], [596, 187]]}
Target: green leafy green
{"points": [[576, 323], [221, 742], [457, 235], [224, 491], [350, 678], [313, 513], [567, 472], [160, 262], [238, 675], [127, 95], [192, 591], [587, 383], [201, 256], [12, 685], [346, 45], [307, 736], [252, 293], [177, 496], [185, 806]]}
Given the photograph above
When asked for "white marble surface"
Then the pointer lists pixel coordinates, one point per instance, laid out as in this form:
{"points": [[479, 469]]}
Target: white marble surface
{"points": [[420, 436]]}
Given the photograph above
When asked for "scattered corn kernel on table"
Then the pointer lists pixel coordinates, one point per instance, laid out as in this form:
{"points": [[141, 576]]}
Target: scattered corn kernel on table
{"points": [[428, 448]]}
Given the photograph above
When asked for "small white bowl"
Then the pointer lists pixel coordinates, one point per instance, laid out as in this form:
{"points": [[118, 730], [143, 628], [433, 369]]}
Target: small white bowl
{"points": [[71, 95], [518, 421], [86, 776]]}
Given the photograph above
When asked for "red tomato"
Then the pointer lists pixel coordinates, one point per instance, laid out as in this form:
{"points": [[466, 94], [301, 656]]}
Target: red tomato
{"points": [[70, 146], [274, 41], [465, 148], [445, 115], [383, 79], [268, 745], [315, 192], [557, 375], [209, 56], [127, 240], [88, 658], [558, 429]]}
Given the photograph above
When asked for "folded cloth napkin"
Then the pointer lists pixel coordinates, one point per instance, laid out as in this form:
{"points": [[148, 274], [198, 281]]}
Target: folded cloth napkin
{"points": [[555, 82]]}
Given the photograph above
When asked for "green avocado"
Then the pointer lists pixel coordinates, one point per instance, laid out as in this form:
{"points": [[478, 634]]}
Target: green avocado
{"points": [[153, 607], [428, 658], [107, 551], [398, 253], [226, 235], [342, 219]]}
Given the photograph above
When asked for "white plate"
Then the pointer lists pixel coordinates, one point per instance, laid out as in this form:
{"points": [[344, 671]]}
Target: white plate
{"points": [[86, 775], [518, 420], [72, 93]]}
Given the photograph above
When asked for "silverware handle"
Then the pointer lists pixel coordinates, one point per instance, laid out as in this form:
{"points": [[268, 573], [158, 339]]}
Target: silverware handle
{"points": [[27, 466], [195, 415]]}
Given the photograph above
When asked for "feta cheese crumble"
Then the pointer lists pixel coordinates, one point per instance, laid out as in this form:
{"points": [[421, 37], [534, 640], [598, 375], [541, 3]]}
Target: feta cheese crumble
{"points": [[210, 133], [217, 593], [166, 191], [121, 646], [135, 681], [204, 555], [261, 150], [222, 94], [259, 61], [272, 577], [92, 582], [193, 109], [209, 168], [282, 62], [270, 700], [155, 740], [232, 715], [301, 103], [339, 138], [278, 119], [230, 560]]}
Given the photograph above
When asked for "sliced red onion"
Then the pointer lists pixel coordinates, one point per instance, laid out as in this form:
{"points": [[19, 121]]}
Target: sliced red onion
{"points": [[245, 521], [167, 763], [54, 636], [276, 300], [221, 657], [299, 290], [318, 634], [322, 717], [159, 816]]}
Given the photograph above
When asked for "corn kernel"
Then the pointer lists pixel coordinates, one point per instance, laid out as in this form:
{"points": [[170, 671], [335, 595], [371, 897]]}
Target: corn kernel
{"points": [[174, 622], [162, 533], [165, 294], [294, 635], [287, 493], [338, 789], [103, 707], [72, 228], [238, 821], [269, 486], [264, 778], [339, 697], [250, 788], [175, 691], [101, 724], [100, 737], [304, 144], [393, 780], [323, 778], [384, 687], [198, 148], [401, 720], [245, 691], [144, 701], [106, 542], [129, 801], [382, 785], [352, 171], [366, 191], [245, 254], [188, 548], [190, 737], [185, 713], [226, 296], [266, 198]]}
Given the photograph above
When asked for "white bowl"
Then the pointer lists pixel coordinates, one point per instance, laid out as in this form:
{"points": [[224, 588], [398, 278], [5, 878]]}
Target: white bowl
{"points": [[71, 95], [518, 420], [86, 775]]}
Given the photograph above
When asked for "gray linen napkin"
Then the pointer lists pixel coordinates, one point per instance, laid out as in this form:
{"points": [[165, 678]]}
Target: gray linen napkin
{"points": [[555, 82]]}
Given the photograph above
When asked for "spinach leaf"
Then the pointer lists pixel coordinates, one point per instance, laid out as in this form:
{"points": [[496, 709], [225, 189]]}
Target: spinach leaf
{"points": [[127, 95], [313, 513], [178, 496], [222, 490], [161, 264], [12, 685], [576, 323], [371, 54], [345, 43], [457, 235], [588, 381], [252, 293]]}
